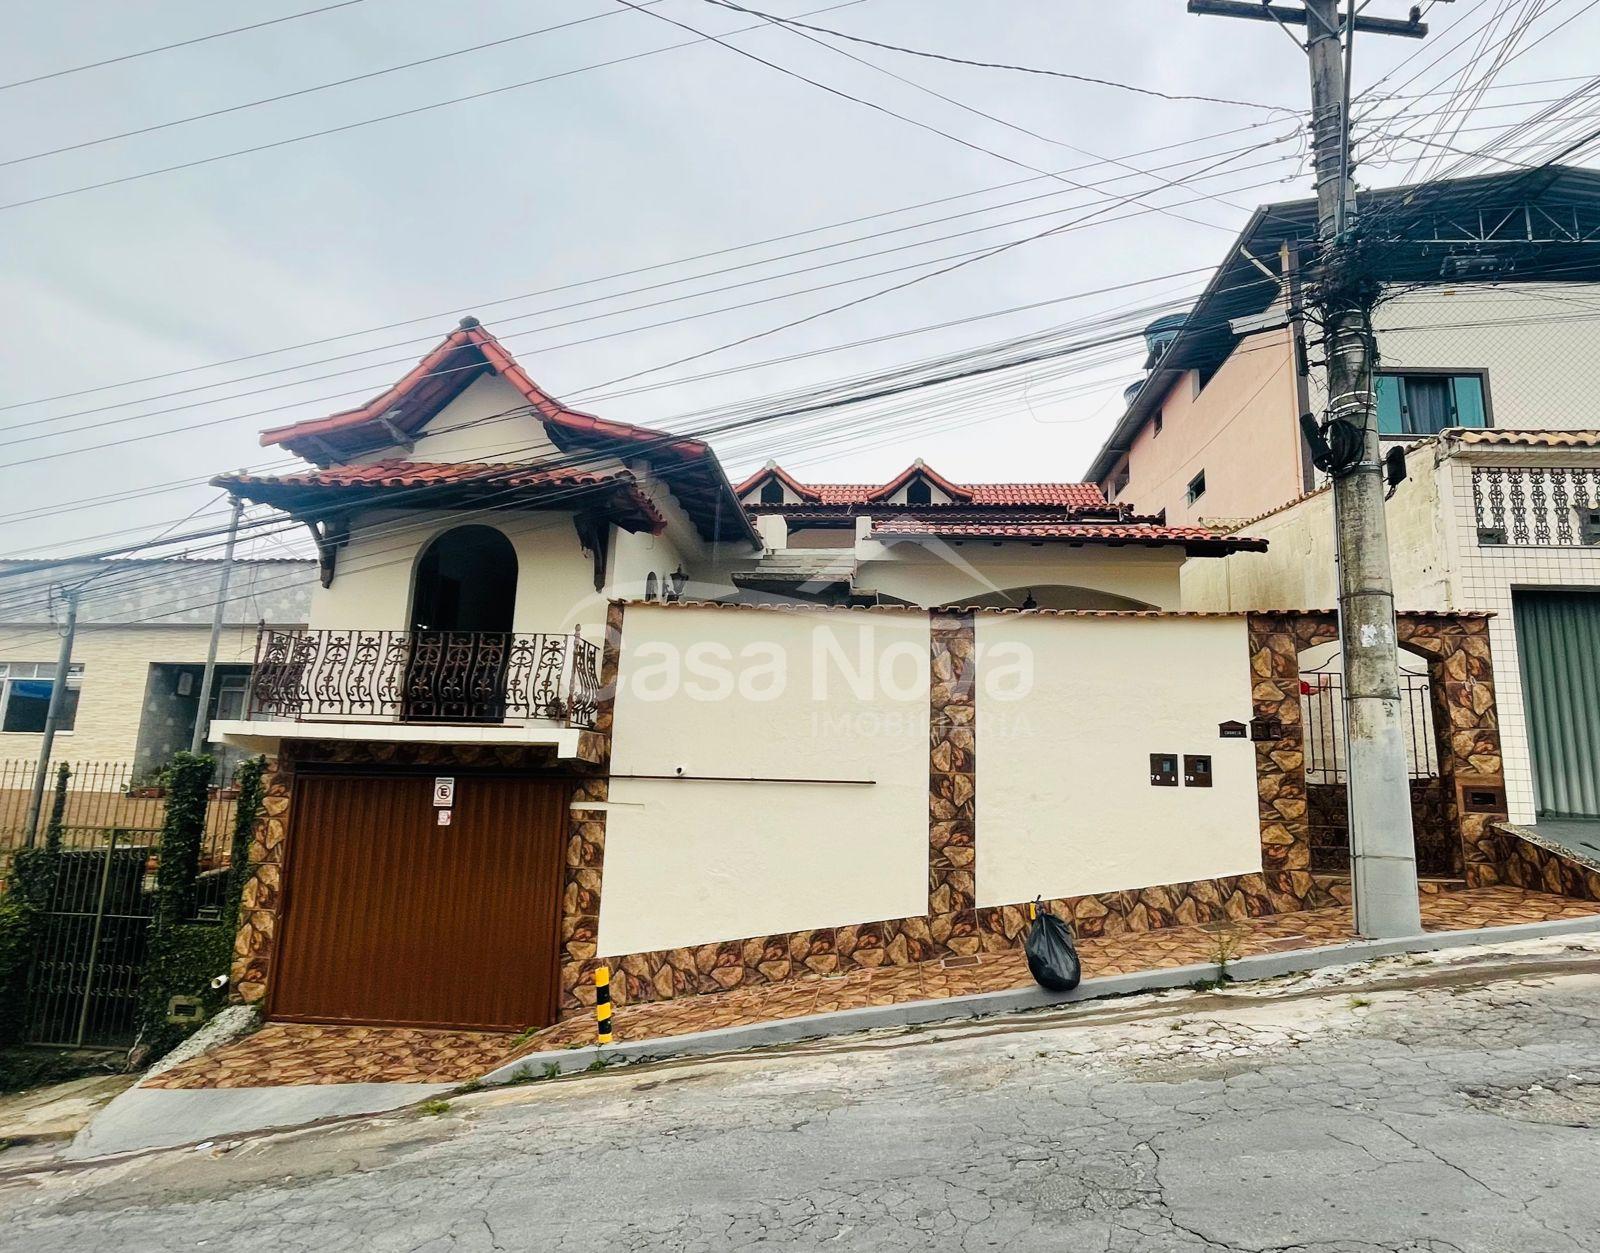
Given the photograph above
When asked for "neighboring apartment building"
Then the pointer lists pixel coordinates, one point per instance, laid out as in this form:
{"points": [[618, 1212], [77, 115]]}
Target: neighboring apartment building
{"points": [[1484, 339], [143, 628], [1490, 284]]}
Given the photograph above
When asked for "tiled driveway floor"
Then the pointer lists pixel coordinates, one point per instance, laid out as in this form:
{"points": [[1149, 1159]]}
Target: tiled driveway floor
{"points": [[290, 1053]]}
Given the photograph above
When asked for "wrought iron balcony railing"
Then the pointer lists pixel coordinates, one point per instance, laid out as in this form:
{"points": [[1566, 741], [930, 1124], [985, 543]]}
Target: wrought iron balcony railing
{"points": [[424, 676], [1537, 506]]}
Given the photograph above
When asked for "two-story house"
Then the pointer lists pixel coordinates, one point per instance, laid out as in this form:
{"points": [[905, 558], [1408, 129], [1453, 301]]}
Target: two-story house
{"points": [[451, 735]]}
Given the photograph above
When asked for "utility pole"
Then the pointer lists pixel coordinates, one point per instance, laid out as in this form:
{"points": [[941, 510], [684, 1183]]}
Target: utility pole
{"points": [[1382, 850], [52, 716], [197, 741]]}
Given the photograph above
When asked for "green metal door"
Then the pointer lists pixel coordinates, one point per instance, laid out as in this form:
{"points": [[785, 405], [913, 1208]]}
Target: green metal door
{"points": [[1558, 642]]}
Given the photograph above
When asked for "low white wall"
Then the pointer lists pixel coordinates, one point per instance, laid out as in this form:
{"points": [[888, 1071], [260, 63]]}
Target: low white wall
{"points": [[775, 696], [1065, 805]]}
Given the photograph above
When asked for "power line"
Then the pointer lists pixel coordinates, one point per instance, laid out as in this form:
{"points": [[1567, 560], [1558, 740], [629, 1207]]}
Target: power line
{"points": [[386, 117], [307, 91], [491, 303], [959, 258], [998, 65], [182, 43], [761, 262]]}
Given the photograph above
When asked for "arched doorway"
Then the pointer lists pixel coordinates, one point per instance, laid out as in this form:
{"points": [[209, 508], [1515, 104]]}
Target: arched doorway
{"points": [[463, 599]]}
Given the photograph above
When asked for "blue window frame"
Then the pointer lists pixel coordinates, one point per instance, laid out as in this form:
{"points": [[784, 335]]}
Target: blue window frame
{"points": [[1427, 402]]}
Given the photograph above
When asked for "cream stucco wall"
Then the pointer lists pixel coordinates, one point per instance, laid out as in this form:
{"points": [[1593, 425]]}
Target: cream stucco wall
{"points": [[1240, 429], [1299, 569], [959, 572], [690, 861], [116, 664], [371, 588], [476, 426], [1065, 804]]}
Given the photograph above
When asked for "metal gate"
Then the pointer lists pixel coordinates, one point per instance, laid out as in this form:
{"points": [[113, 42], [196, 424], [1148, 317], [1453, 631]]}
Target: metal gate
{"points": [[84, 985], [393, 917], [1558, 644]]}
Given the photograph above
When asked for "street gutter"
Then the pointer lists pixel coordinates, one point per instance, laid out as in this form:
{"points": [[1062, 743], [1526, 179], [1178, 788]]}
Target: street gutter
{"points": [[552, 1062]]}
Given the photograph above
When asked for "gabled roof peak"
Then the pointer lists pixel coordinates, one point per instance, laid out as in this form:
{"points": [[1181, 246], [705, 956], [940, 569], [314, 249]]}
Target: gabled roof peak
{"points": [[1044, 495], [688, 466]]}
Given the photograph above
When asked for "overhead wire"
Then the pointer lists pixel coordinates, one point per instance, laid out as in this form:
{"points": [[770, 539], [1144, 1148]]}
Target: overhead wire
{"points": [[181, 43], [346, 127]]}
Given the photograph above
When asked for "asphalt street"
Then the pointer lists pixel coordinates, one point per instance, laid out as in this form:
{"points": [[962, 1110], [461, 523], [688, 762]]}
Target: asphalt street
{"points": [[1450, 1107]]}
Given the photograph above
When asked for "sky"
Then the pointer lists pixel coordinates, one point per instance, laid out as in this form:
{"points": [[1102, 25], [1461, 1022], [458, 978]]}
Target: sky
{"points": [[519, 205]]}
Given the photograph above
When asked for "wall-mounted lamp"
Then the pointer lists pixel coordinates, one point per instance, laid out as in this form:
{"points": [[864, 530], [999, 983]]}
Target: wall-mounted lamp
{"points": [[1030, 603], [678, 579]]}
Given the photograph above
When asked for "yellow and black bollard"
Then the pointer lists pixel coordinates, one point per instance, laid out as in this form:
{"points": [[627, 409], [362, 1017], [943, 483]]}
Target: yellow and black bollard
{"points": [[602, 1004]]}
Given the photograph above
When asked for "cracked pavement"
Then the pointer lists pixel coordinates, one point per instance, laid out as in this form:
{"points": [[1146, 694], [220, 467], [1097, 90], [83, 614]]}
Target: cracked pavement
{"points": [[1450, 1108]]}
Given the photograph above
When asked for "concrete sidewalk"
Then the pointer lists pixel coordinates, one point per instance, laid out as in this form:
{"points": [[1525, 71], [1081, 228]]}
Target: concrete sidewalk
{"points": [[158, 1118]]}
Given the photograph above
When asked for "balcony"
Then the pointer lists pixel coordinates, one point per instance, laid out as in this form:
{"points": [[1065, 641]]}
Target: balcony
{"points": [[437, 679]]}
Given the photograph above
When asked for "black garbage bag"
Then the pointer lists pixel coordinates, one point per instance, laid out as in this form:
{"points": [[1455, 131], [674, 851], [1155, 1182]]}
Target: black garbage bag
{"points": [[1051, 957]]}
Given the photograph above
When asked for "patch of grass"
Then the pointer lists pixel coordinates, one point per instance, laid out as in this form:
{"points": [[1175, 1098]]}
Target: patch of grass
{"points": [[433, 1108], [471, 1085], [1359, 1002], [599, 1063], [552, 1070]]}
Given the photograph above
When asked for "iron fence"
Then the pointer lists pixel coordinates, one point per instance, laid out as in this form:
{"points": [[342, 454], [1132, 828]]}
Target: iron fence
{"points": [[1322, 709], [83, 985], [1537, 506], [424, 676]]}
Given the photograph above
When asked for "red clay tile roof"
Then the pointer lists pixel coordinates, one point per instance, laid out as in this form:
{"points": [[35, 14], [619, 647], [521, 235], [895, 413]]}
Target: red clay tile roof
{"points": [[423, 483], [1197, 539], [1049, 495], [399, 473], [691, 469], [1524, 439]]}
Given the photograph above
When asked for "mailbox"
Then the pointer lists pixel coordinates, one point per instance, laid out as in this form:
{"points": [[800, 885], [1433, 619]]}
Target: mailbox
{"points": [[1480, 794], [1196, 771], [1163, 770]]}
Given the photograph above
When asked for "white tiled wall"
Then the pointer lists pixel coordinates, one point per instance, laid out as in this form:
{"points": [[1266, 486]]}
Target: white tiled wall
{"points": [[1484, 578]]}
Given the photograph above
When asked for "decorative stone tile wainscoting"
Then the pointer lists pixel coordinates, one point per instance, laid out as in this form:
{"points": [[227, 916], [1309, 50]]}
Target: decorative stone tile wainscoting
{"points": [[1461, 677], [953, 927], [261, 906], [1527, 861], [1438, 849]]}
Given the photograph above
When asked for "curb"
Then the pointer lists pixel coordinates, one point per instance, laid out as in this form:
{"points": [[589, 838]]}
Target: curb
{"points": [[909, 1013]]}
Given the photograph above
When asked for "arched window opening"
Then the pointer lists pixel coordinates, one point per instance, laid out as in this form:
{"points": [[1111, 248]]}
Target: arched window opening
{"points": [[652, 586], [466, 581], [463, 601]]}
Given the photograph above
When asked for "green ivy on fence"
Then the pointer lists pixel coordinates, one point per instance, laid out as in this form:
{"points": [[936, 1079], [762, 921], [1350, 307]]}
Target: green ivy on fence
{"points": [[30, 886], [184, 955]]}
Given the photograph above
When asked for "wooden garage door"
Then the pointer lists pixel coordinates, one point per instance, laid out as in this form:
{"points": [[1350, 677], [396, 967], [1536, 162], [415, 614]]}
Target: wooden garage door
{"points": [[391, 918]]}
